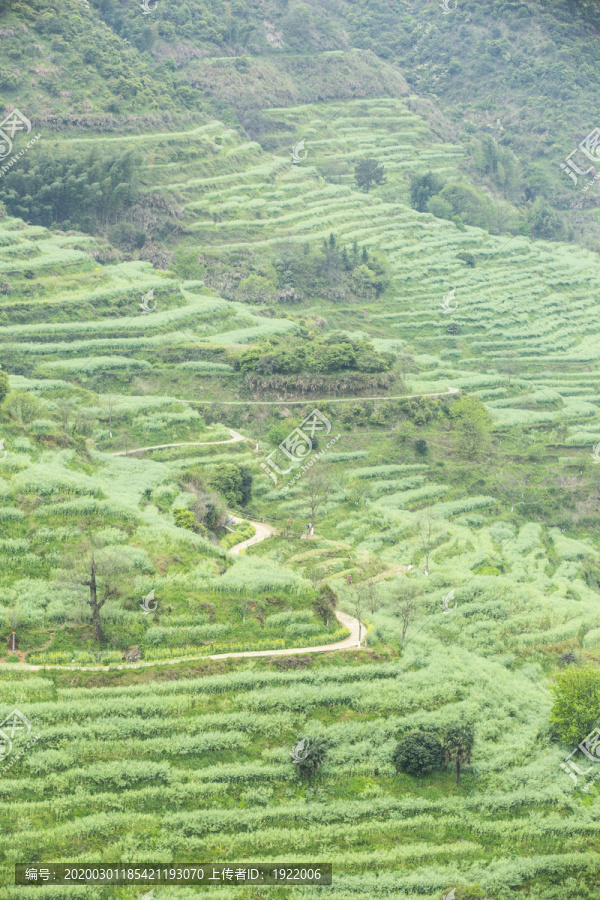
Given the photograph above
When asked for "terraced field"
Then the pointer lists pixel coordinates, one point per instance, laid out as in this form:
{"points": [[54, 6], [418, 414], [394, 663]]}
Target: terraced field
{"points": [[522, 300], [190, 760], [225, 786]]}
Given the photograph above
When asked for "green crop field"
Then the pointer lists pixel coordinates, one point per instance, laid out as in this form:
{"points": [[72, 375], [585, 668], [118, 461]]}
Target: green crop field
{"points": [[299, 445]]}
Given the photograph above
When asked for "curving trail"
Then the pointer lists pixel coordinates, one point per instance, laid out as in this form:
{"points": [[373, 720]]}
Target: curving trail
{"points": [[451, 390], [344, 619], [262, 533], [235, 438]]}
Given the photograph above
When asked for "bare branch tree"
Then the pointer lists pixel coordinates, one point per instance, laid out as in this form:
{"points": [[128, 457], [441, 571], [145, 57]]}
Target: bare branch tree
{"points": [[111, 405], [358, 603], [318, 487], [426, 535], [372, 598], [357, 490], [404, 606], [99, 570], [13, 620]]}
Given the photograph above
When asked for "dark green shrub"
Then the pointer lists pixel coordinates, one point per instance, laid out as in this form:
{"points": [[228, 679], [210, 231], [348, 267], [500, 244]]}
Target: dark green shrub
{"points": [[418, 753]]}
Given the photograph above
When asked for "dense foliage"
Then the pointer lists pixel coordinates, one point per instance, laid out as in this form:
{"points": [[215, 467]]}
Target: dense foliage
{"points": [[332, 353], [419, 753], [576, 708], [90, 192]]}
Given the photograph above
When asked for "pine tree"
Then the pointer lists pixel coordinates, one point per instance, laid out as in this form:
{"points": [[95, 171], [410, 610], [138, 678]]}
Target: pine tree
{"points": [[369, 172]]}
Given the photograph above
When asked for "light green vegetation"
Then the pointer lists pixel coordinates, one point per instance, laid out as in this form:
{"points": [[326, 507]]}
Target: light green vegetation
{"points": [[471, 539]]}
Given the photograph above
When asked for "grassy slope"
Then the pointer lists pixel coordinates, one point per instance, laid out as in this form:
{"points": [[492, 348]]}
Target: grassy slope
{"points": [[482, 67], [522, 598]]}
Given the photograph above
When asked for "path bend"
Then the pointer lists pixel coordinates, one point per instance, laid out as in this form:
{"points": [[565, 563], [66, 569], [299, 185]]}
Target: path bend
{"points": [[262, 533], [235, 438], [351, 641]]}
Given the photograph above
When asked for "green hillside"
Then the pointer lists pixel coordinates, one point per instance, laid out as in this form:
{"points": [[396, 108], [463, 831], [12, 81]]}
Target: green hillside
{"points": [[299, 434], [492, 77]]}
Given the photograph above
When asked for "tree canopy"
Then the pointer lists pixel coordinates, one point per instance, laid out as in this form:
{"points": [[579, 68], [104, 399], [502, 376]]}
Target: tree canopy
{"points": [[418, 753], [471, 425], [368, 172], [234, 482], [576, 707]]}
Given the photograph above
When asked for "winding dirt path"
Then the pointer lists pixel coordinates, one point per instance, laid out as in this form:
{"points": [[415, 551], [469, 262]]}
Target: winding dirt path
{"points": [[451, 390], [357, 630], [344, 619], [235, 438], [262, 533]]}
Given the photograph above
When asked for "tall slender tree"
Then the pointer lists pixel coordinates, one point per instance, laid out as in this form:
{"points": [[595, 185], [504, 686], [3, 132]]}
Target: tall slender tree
{"points": [[458, 745]]}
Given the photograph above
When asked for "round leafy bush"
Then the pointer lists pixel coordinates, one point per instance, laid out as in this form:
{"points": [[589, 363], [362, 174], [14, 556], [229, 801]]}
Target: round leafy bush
{"points": [[418, 753]]}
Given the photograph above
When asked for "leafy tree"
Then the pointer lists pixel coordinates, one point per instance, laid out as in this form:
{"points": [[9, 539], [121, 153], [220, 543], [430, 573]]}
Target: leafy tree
{"points": [[234, 482], [418, 753], [279, 431], [439, 207], [368, 172], [469, 892], [546, 223], [24, 407], [471, 425], [576, 707], [4, 386], [184, 518], [468, 203], [325, 603], [310, 753], [318, 486], [186, 264], [209, 511], [467, 258], [256, 289], [332, 357], [91, 190], [458, 745], [330, 353], [422, 188], [10, 352]]}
